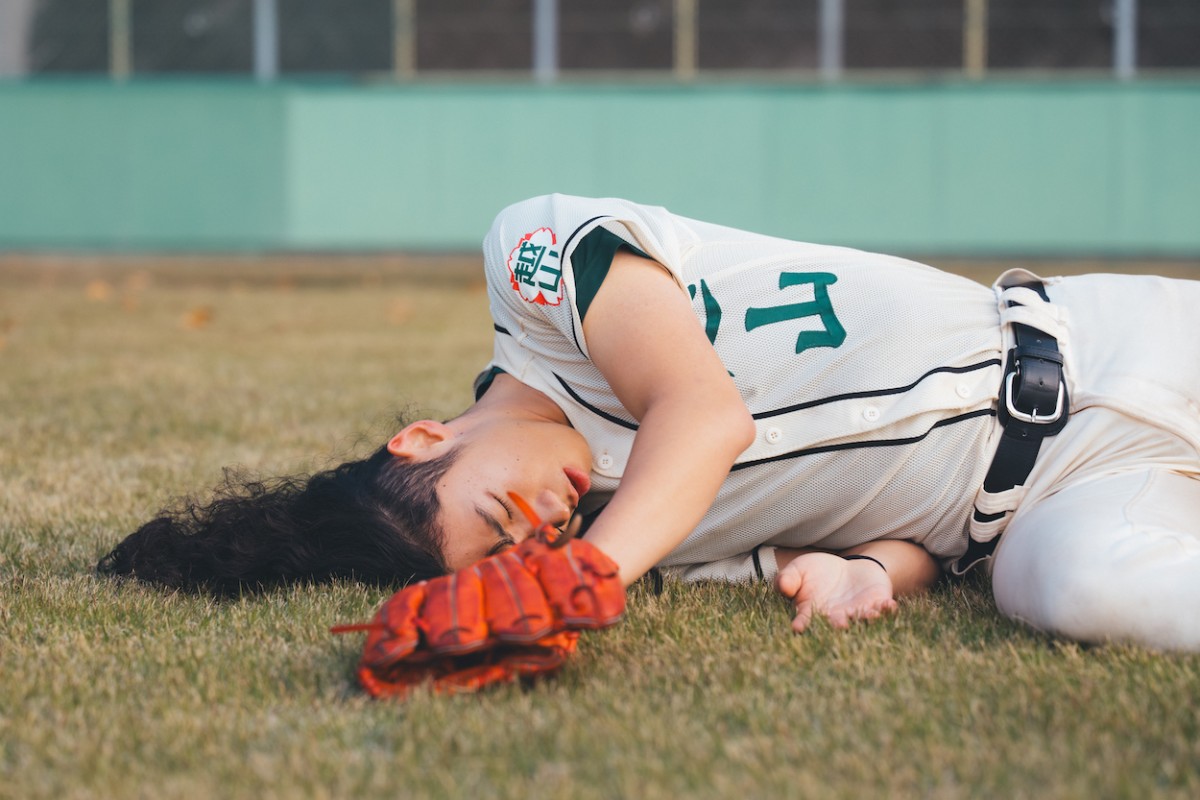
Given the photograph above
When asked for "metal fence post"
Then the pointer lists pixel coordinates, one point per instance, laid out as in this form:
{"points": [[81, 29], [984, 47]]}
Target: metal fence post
{"points": [[1125, 39], [975, 28], [120, 39], [404, 39], [832, 31], [266, 40], [686, 36], [545, 40], [16, 17]]}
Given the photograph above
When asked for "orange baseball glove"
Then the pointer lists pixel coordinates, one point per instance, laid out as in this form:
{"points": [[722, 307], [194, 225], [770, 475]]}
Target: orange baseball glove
{"points": [[514, 614]]}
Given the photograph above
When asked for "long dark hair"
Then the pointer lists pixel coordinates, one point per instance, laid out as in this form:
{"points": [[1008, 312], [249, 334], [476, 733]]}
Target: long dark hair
{"points": [[372, 520]]}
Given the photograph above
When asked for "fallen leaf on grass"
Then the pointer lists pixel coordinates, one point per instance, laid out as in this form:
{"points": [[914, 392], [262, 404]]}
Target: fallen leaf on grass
{"points": [[197, 317], [99, 291], [399, 312]]}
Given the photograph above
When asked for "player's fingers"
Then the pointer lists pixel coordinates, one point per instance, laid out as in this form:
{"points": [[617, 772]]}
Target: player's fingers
{"points": [[804, 614], [866, 614], [882, 607], [788, 581], [839, 618], [874, 610]]}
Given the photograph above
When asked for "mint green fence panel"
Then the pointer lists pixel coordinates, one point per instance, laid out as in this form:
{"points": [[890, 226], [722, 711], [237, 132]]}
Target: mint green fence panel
{"points": [[141, 167], [1063, 168]]}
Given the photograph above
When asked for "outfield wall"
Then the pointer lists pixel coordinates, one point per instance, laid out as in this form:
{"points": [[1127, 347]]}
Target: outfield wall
{"points": [[1031, 168]]}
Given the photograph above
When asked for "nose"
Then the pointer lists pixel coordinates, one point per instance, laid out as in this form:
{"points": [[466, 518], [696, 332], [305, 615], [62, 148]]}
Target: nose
{"points": [[547, 508], [552, 509]]}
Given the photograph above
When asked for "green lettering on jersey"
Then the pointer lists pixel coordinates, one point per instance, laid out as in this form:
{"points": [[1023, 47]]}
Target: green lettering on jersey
{"points": [[530, 263], [820, 306], [712, 310]]}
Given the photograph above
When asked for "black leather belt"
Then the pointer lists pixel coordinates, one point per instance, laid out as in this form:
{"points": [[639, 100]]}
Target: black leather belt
{"points": [[1033, 405]]}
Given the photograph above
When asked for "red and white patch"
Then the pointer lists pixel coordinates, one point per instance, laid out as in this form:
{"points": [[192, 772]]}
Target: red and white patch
{"points": [[535, 269]]}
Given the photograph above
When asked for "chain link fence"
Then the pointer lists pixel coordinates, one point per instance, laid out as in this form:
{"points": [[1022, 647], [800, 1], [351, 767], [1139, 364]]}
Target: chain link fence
{"points": [[407, 39]]}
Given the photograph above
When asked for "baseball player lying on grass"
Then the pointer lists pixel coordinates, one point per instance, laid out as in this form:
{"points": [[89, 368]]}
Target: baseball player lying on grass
{"points": [[721, 404]]}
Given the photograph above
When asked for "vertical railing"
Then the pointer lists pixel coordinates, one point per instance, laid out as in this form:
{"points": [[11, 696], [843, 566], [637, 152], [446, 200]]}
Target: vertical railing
{"points": [[975, 30], [832, 32], [685, 62], [687, 34], [120, 39], [15, 20], [404, 39], [545, 40], [1125, 39], [266, 40]]}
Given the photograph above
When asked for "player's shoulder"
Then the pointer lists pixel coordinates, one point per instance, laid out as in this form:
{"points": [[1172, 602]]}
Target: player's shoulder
{"points": [[554, 218], [563, 209], [566, 218]]}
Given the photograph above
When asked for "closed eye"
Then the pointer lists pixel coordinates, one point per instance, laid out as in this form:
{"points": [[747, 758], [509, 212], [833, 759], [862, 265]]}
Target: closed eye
{"points": [[503, 504], [505, 541]]}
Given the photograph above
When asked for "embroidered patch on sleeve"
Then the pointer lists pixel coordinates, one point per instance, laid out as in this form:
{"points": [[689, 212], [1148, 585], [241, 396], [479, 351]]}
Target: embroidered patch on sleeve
{"points": [[535, 270]]}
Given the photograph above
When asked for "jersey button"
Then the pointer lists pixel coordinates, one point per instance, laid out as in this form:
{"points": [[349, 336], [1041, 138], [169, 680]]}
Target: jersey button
{"points": [[963, 391], [774, 435], [605, 461], [870, 413]]}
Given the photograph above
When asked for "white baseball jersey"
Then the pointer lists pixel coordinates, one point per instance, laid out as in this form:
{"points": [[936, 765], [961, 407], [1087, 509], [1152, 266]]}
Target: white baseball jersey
{"points": [[872, 380]]}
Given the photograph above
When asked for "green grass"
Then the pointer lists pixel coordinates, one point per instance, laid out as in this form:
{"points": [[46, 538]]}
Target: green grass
{"points": [[113, 404]]}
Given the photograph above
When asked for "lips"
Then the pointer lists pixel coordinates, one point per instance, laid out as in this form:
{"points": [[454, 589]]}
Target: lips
{"points": [[580, 481]]}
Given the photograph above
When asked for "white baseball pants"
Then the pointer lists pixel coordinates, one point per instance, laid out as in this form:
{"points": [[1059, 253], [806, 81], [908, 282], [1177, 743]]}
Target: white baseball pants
{"points": [[1105, 543]]}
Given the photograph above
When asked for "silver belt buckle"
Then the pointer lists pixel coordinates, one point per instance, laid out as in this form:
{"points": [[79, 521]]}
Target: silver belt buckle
{"points": [[1033, 417]]}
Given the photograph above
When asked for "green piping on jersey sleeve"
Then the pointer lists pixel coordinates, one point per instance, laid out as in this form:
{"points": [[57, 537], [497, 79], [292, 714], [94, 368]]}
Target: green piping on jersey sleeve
{"points": [[591, 260]]}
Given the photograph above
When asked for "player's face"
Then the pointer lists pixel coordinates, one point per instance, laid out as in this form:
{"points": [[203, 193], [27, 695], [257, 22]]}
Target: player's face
{"points": [[546, 463]]}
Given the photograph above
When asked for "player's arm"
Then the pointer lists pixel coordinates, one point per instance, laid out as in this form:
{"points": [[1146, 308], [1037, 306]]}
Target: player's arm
{"points": [[842, 590], [643, 336]]}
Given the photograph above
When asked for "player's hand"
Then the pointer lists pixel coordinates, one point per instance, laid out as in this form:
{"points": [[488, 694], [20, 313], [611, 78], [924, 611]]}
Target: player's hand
{"points": [[839, 590]]}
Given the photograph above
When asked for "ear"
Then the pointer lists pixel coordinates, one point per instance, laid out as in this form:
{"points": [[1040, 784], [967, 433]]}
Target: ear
{"points": [[420, 439]]}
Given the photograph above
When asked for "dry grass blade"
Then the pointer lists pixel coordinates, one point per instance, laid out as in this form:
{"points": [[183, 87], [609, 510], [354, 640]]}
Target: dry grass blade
{"points": [[113, 690]]}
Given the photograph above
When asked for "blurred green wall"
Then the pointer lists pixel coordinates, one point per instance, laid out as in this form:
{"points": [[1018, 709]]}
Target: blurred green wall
{"points": [[1031, 168]]}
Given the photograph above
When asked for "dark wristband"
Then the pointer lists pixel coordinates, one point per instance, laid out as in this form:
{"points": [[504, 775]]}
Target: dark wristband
{"points": [[866, 558]]}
